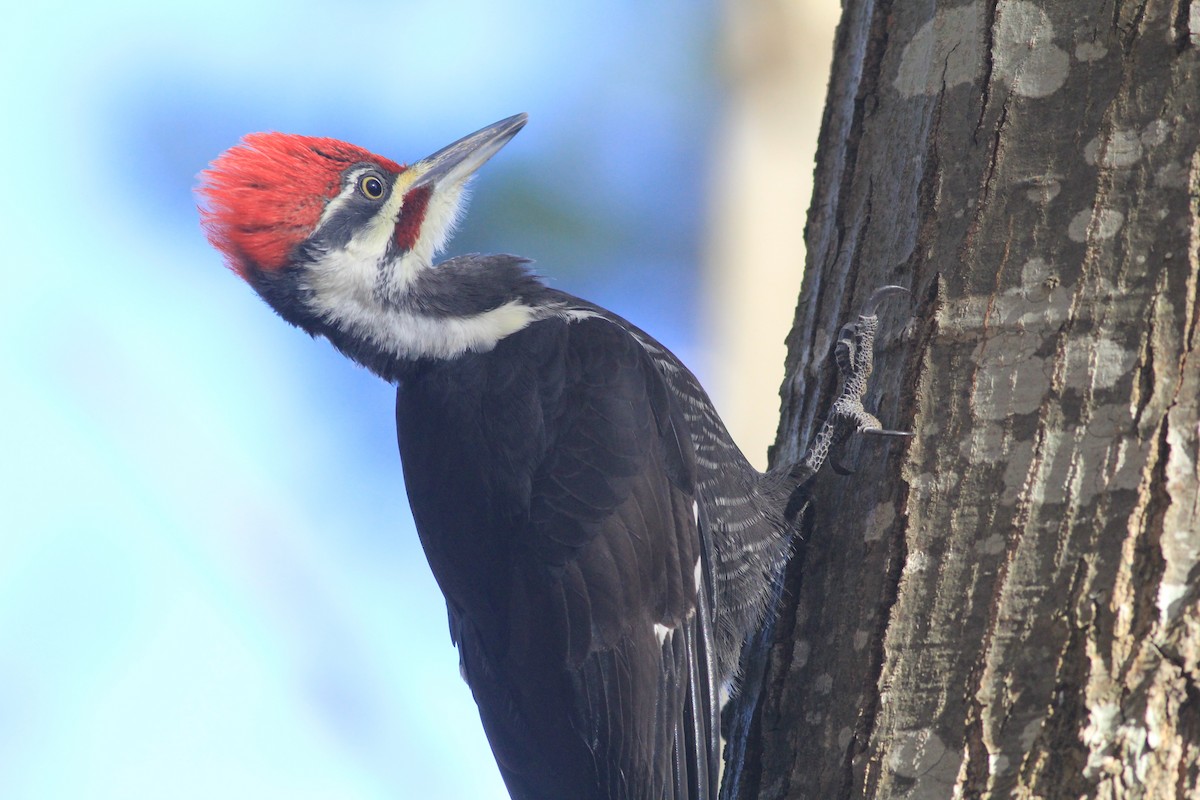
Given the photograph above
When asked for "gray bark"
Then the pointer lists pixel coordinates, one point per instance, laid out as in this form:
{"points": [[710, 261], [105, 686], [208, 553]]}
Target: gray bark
{"points": [[1009, 605]]}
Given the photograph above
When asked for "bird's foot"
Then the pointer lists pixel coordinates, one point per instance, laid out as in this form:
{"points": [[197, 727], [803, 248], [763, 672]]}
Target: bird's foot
{"points": [[855, 355]]}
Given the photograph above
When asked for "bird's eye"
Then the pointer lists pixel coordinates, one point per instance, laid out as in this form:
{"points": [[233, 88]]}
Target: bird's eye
{"points": [[371, 187]]}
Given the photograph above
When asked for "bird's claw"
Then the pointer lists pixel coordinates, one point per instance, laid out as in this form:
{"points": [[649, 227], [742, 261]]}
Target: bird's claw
{"points": [[884, 433], [878, 296]]}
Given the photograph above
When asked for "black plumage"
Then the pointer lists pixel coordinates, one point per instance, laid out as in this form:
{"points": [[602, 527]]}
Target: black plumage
{"points": [[553, 482]]}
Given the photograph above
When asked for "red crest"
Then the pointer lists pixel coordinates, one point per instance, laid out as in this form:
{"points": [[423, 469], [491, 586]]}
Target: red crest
{"points": [[264, 196]]}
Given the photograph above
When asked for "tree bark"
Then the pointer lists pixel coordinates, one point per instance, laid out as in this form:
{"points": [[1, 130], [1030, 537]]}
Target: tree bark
{"points": [[1006, 606]]}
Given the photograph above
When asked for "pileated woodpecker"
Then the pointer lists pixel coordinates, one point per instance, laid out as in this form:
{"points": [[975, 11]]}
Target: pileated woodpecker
{"points": [[603, 546]]}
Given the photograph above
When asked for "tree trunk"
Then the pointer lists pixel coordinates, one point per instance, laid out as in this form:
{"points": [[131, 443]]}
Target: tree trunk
{"points": [[1007, 605]]}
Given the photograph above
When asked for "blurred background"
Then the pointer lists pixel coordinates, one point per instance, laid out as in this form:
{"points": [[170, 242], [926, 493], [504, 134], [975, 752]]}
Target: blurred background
{"points": [[209, 581]]}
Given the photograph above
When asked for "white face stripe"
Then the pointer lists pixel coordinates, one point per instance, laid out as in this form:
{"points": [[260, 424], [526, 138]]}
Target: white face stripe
{"points": [[343, 196], [360, 290], [347, 278], [357, 290]]}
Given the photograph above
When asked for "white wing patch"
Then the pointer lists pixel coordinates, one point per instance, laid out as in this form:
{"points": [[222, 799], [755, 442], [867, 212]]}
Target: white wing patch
{"points": [[661, 632]]}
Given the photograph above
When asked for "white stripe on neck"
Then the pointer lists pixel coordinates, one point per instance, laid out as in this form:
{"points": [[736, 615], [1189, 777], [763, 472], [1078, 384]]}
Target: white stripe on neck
{"points": [[410, 334], [345, 294]]}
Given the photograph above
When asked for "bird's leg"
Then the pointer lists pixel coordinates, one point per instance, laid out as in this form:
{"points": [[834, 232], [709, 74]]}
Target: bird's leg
{"points": [[855, 356]]}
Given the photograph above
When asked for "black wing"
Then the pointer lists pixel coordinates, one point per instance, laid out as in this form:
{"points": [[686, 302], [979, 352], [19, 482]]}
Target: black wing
{"points": [[591, 659]]}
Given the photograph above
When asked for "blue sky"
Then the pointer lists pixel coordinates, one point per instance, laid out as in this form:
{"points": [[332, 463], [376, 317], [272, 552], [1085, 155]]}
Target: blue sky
{"points": [[209, 581]]}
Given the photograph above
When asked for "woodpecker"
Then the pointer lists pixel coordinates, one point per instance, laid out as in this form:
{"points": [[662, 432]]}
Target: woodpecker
{"points": [[603, 546]]}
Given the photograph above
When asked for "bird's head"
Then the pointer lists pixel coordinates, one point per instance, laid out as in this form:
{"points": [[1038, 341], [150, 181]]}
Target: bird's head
{"points": [[329, 233]]}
